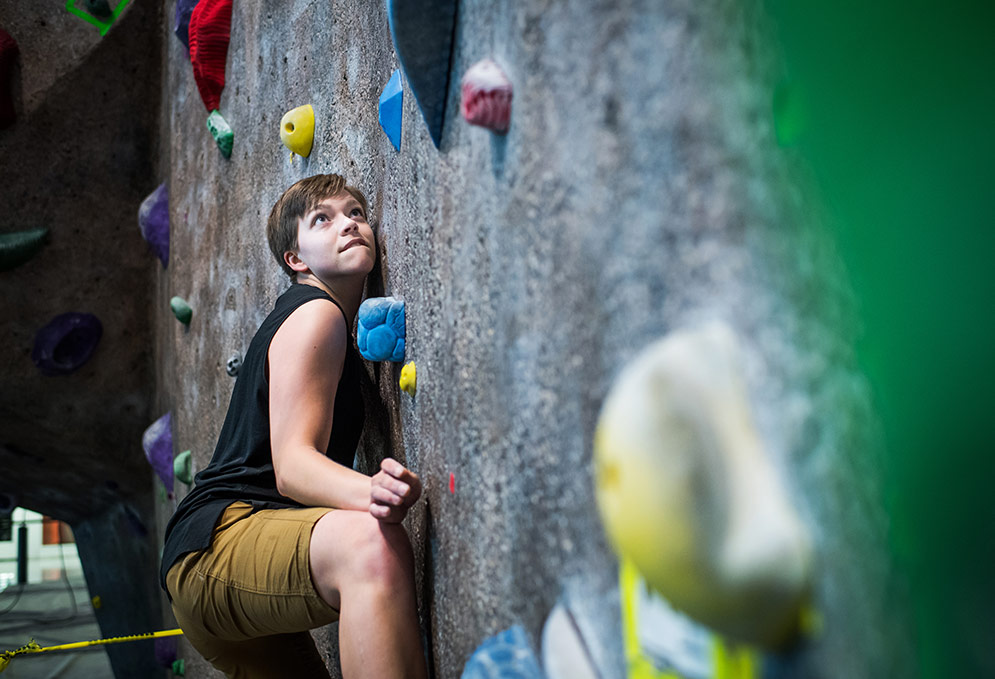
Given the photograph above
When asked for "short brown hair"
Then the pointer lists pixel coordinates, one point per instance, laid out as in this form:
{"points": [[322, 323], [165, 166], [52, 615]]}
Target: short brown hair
{"points": [[297, 201]]}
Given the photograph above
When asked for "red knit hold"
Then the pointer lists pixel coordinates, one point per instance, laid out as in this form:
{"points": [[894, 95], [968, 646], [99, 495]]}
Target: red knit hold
{"points": [[210, 30], [8, 53]]}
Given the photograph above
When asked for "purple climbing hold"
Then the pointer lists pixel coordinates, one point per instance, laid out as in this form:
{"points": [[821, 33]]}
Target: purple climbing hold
{"points": [[153, 220], [8, 55], [181, 24], [66, 343], [157, 441], [165, 651]]}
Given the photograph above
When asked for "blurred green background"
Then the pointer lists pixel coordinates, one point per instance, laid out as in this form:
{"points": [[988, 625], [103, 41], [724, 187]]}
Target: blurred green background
{"points": [[892, 105]]}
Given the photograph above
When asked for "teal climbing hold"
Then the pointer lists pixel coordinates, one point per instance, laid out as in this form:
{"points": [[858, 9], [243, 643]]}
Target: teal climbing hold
{"points": [[391, 107], [221, 131], [179, 668], [183, 467], [504, 656], [18, 247], [181, 309], [422, 31]]}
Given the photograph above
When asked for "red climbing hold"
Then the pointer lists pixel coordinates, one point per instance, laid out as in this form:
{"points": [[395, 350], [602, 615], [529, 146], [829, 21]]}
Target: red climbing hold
{"points": [[452, 482], [8, 53], [210, 31]]}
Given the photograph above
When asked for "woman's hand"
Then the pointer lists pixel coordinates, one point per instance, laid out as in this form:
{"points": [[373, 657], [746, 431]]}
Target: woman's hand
{"points": [[392, 491]]}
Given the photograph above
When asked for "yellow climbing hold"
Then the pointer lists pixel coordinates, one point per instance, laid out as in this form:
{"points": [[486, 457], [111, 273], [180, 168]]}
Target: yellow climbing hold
{"points": [[297, 130], [96, 601], [409, 378]]}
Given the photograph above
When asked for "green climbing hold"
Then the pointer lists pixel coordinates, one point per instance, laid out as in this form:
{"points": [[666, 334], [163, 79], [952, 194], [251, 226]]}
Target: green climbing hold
{"points": [[179, 669], [221, 131], [790, 116], [18, 247], [181, 310], [183, 467]]}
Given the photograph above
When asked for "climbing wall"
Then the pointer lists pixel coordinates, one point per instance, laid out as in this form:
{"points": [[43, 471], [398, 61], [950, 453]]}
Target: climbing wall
{"points": [[640, 189]]}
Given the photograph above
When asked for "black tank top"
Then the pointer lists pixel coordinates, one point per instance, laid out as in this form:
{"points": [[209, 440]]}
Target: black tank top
{"points": [[242, 466]]}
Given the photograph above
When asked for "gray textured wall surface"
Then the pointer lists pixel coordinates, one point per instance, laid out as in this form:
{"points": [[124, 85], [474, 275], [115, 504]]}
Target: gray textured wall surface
{"points": [[639, 189]]}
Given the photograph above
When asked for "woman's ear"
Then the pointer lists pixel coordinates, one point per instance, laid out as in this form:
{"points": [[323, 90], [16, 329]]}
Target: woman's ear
{"points": [[294, 261]]}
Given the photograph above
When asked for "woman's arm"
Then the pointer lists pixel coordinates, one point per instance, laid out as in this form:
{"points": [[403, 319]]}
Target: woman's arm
{"points": [[305, 363]]}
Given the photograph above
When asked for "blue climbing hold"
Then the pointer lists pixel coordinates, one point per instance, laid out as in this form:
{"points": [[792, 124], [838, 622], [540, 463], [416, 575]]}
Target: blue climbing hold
{"points": [[422, 31], [391, 106], [153, 220], [507, 655], [157, 442], [381, 329]]}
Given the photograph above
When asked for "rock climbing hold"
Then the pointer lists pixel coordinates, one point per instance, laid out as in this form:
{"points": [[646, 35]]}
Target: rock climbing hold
{"points": [[391, 108], [66, 343], [221, 131], [486, 96], [409, 378], [381, 329], [183, 467], [165, 651], [157, 442], [209, 32], [96, 602], [452, 482], [8, 55], [789, 114], [565, 654], [688, 493], [98, 8], [297, 130], [179, 668], [153, 220], [8, 503], [507, 654], [18, 247], [181, 310], [234, 364], [423, 40], [181, 22]]}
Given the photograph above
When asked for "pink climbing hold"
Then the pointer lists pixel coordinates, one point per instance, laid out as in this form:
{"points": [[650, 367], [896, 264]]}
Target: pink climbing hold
{"points": [[8, 53], [486, 97], [210, 31], [452, 482]]}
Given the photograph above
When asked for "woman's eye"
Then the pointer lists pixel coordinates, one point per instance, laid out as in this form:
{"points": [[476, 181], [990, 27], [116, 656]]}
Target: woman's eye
{"points": [[320, 218], [356, 212]]}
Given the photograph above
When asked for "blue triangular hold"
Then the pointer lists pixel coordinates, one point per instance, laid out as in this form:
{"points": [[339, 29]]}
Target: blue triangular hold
{"points": [[422, 31], [391, 106]]}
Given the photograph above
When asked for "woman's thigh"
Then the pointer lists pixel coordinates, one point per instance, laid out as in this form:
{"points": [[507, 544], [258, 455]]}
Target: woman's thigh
{"points": [[253, 582]]}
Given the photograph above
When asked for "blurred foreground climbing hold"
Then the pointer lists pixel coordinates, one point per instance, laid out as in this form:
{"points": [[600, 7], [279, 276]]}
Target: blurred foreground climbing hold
{"points": [[390, 109], [66, 343], [221, 132], [183, 467], [505, 655], [209, 33], [789, 114], [381, 329], [409, 378], [157, 442], [297, 130], [687, 492], [422, 31], [18, 247], [181, 310], [8, 55], [486, 96], [153, 220], [564, 652], [234, 364], [181, 21]]}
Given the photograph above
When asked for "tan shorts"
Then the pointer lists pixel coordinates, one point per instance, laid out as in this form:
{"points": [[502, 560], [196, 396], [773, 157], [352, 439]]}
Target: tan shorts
{"points": [[246, 603]]}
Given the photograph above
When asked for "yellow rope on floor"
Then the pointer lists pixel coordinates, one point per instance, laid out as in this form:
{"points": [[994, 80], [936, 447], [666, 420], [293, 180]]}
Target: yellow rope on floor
{"points": [[32, 647]]}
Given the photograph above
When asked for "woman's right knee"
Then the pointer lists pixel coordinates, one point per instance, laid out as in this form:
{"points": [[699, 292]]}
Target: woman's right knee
{"points": [[352, 546]]}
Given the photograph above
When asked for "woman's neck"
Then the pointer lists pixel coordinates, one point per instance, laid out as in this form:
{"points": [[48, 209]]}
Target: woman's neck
{"points": [[348, 294]]}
